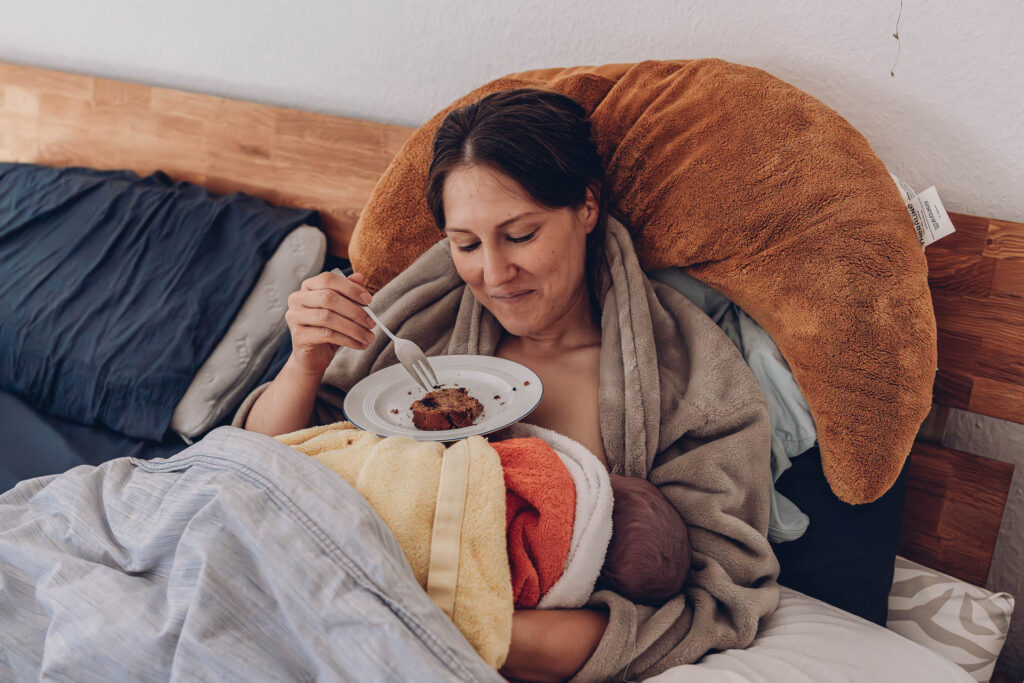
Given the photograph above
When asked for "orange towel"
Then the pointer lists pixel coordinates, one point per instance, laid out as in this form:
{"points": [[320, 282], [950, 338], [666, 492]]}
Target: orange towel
{"points": [[540, 510]]}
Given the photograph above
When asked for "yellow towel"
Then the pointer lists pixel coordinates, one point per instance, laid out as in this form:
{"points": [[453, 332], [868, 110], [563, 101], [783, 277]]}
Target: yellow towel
{"points": [[399, 477]]}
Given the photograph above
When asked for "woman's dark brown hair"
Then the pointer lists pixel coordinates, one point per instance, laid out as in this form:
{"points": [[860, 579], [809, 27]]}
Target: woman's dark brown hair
{"points": [[539, 138]]}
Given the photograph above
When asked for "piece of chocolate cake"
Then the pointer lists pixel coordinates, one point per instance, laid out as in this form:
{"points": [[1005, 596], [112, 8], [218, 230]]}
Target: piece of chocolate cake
{"points": [[449, 408]]}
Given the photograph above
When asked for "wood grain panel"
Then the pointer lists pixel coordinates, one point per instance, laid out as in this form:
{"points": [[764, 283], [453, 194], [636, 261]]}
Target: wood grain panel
{"points": [[976, 277], [952, 389], [970, 236], [990, 396], [957, 359], [1000, 362], [1005, 241], [953, 272], [1008, 279], [286, 156], [998, 319], [954, 507], [959, 351]]}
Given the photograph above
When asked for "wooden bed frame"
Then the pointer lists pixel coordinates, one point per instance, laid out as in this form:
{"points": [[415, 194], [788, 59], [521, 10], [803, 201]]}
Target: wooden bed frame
{"points": [[955, 500]]}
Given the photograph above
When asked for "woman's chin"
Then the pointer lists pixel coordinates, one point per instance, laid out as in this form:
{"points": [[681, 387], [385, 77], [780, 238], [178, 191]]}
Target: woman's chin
{"points": [[514, 325]]}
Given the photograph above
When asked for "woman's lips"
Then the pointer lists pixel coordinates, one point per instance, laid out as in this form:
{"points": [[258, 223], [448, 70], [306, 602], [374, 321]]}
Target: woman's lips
{"points": [[513, 298]]}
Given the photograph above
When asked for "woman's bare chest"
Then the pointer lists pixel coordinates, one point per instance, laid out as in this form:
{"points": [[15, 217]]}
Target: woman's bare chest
{"points": [[571, 403]]}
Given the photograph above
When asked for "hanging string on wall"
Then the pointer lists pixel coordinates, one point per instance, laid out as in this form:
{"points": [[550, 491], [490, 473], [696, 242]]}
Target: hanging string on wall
{"points": [[892, 71]]}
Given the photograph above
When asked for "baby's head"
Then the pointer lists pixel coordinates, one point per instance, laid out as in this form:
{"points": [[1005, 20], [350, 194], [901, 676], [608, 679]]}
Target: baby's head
{"points": [[648, 558]]}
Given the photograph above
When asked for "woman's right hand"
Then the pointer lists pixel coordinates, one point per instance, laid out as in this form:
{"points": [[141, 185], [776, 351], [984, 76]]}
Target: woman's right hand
{"points": [[325, 314]]}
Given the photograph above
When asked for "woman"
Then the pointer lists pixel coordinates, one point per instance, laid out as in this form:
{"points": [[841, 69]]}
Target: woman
{"points": [[533, 271]]}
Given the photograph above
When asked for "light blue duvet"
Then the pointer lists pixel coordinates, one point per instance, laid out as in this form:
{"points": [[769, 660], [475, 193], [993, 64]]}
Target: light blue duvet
{"points": [[237, 559]]}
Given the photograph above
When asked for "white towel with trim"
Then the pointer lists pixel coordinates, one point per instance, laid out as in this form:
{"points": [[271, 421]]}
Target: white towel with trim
{"points": [[592, 529]]}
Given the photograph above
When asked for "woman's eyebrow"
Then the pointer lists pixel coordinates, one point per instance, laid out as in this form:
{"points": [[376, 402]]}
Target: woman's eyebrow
{"points": [[499, 225]]}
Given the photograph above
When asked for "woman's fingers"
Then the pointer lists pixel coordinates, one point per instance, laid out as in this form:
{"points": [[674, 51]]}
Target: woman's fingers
{"points": [[355, 326], [330, 300], [327, 313], [310, 336], [324, 314], [345, 286]]}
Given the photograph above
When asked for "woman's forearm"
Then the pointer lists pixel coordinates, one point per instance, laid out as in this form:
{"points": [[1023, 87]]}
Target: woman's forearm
{"points": [[287, 404], [552, 645]]}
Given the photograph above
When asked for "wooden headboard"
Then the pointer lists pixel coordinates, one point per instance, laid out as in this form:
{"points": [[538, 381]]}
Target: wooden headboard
{"points": [[955, 500], [331, 163], [286, 156]]}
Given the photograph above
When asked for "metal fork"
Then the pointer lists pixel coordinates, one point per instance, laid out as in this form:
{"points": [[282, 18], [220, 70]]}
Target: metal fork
{"points": [[409, 354]]}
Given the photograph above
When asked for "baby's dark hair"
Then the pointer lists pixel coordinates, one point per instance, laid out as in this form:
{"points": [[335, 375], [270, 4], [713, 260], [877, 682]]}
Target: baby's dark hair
{"points": [[648, 558]]}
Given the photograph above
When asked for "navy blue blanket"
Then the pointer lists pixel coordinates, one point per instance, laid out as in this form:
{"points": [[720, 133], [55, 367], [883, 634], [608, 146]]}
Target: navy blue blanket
{"points": [[114, 288], [34, 444]]}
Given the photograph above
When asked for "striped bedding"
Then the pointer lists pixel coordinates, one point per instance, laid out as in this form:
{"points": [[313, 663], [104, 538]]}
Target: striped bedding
{"points": [[967, 624]]}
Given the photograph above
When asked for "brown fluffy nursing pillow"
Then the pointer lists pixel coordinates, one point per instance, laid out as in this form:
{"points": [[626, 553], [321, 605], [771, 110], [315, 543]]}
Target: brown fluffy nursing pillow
{"points": [[767, 195]]}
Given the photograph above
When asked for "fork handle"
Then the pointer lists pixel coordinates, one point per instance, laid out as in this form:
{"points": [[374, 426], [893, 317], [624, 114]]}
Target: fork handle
{"points": [[337, 271], [379, 323]]}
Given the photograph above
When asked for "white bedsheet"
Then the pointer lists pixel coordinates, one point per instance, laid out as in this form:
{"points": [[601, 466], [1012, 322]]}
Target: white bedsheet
{"points": [[809, 641]]}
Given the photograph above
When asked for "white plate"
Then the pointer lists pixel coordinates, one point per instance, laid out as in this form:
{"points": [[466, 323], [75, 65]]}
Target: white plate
{"points": [[380, 403]]}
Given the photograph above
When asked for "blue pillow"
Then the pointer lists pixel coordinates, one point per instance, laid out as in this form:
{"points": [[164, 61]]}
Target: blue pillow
{"points": [[847, 556], [114, 288]]}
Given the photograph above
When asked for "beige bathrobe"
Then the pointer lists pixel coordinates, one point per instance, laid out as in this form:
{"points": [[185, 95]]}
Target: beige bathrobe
{"points": [[678, 406]]}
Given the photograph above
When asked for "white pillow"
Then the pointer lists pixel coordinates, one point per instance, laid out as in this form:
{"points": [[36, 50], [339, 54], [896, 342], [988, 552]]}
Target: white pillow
{"points": [[808, 641], [963, 622], [241, 357]]}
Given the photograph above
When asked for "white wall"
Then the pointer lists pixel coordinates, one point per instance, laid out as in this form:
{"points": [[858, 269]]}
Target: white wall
{"points": [[951, 116]]}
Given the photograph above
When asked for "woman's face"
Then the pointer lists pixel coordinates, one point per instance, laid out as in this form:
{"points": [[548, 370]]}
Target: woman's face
{"points": [[524, 262]]}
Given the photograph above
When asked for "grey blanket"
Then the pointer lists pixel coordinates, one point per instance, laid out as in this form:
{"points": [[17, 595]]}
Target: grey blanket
{"points": [[678, 406], [237, 559]]}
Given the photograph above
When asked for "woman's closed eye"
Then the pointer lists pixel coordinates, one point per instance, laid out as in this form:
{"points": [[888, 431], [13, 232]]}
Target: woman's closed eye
{"points": [[514, 240]]}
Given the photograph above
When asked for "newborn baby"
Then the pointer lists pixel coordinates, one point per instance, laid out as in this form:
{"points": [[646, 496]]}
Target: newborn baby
{"points": [[540, 522], [648, 558], [571, 528]]}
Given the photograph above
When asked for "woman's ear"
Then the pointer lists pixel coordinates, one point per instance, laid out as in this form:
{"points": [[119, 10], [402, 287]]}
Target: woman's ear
{"points": [[588, 213]]}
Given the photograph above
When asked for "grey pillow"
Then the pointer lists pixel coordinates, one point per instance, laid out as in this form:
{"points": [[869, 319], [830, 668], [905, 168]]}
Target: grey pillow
{"points": [[241, 357]]}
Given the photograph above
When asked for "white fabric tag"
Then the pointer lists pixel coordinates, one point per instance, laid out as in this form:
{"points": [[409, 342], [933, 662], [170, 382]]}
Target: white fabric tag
{"points": [[905, 190], [934, 216], [926, 210]]}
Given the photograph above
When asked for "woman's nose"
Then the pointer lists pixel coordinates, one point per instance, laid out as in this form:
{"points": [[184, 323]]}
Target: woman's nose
{"points": [[498, 269]]}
